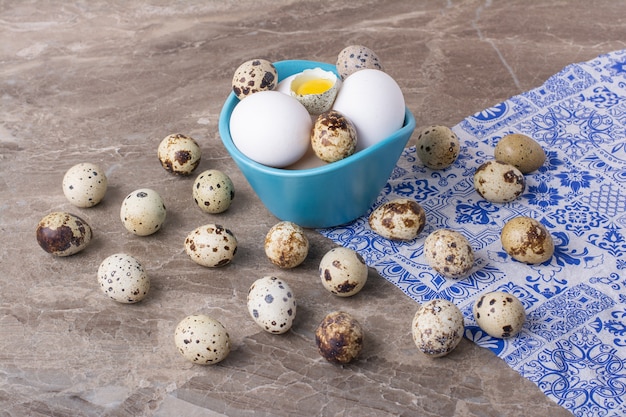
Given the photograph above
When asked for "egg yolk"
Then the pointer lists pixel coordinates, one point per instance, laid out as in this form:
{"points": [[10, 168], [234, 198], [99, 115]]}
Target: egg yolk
{"points": [[315, 86]]}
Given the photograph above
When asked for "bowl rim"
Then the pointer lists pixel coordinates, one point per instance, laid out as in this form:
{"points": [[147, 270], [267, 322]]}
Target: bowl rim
{"points": [[224, 132]]}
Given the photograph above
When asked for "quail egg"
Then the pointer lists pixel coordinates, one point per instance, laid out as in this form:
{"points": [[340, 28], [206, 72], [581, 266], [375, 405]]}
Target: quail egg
{"points": [[286, 245], [253, 76], [499, 314], [527, 240], [437, 147], [123, 278], [343, 271], [211, 245], [179, 154], [63, 234], [437, 327], [499, 182], [398, 219], [315, 89], [339, 337], [333, 136], [272, 304], [213, 191], [202, 339], [520, 151], [449, 253], [143, 212], [354, 58], [85, 184]]}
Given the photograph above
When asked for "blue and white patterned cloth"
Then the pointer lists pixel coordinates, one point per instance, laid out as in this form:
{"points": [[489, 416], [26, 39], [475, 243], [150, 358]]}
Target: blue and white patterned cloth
{"points": [[573, 344]]}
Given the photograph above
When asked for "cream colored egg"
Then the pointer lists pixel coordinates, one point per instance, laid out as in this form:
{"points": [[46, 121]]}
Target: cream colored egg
{"points": [[254, 76], [343, 271], [521, 151], [179, 154], [211, 245], [85, 184], [437, 147], [354, 58], [449, 253], [123, 278], [333, 137], [213, 191], [527, 240], [143, 212], [498, 182], [499, 314], [286, 245], [202, 339], [63, 234], [272, 304], [398, 219], [437, 327]]}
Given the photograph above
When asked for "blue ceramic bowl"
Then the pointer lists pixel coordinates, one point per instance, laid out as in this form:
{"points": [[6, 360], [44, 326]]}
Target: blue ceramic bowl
{"points": [[324, 196]]}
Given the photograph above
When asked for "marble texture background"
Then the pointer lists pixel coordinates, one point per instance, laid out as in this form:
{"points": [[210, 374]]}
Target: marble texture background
{"points": [[105, 81]]}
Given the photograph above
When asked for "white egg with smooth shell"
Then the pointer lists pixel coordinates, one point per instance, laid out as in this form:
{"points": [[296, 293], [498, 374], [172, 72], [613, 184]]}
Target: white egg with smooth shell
{"points": [[373, 101]]}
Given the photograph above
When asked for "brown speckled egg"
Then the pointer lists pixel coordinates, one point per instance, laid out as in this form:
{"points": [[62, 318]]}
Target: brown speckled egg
{"points": [[437, 327], [499, 314], [449, 253], [211, 245], [202, 339], [343, 271], [398, 219], [63, 234], [354, 58], [521, 151], [179, 154], [123, 278], [272, 304], [85, 184], [286, 245], [339, 337], [253, 76], [437, 147], [527, 240], [333, 136], [213, 191], [498, 182]]}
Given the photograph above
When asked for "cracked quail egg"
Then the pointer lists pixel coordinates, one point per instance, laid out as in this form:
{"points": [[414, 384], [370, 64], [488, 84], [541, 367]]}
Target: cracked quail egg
{"points": [[437, 327], [213, 191], [527, 240], [123, 278], [339, 337], [272, 304], [211, 245], [354, 58], [202, 339], [316, 89], [63, 234], [499, 314], [437, 147], [179, 154], [254, 76], [398, 219], [286, 245], [499, 182], [449, 253], [343, 271], [85, 184], [143, 212], [521, 151], [333, 136]]}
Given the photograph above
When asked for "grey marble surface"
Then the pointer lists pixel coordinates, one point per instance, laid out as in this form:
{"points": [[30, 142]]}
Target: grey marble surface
{"points": [[105, 81]]}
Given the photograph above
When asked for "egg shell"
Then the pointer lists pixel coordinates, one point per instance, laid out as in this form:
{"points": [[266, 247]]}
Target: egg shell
{"points": [[498, 182], [143, 212], [254, 76], [437, 146], [202, 339], [449, 253], [211, 245], [373, 101], [339, 337], [354, 58], [437, 327], [286, 245], [333, 136], [179, 154], [527, 240], [272, 304], [398, 219], [499, 314], [63, 234], [213, 191], [343, 271], [521, 151], [271, 128], [123, 278], [85, 184], [320, 102]]}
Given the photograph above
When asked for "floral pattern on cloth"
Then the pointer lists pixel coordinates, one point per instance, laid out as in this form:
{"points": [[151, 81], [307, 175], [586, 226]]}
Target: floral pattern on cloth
{"points": [[573, 344]]}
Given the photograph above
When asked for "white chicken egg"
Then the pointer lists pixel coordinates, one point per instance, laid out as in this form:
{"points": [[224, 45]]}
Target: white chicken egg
{"points": [[143, 212], [123, 278], [374, 102], [271, 128], [272, 304]]}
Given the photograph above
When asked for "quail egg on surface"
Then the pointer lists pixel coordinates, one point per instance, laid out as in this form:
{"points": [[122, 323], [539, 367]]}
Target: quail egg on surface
{"points": [[343, 271], [437, 147], [63, 234], [499, 314], [449, 253], [213, 191], [333, 136], [143, 212], [179, 154], [499, 182], [339, 337], [354, 58], [398, 219], [254, 76], [437, 327], [272, 304], [527, 240], [85, 184], [521, 151], [316, 89], [211, 245], [123, 278], [202, 339], [286, 245]]}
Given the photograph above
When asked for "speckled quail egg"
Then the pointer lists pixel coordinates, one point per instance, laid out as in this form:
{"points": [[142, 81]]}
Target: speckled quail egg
{"points": [[123, 278], [499, 314], [179, 154], [449, 253], [272, 304], [85, 184], [343, 271], [253, 76], [437, 147], [521, 151], [143, 212], [333, 136], [398, 219], [213, 191], [339, 337], [286, 245], [211, 245], [437, 327], [63, 234], [315, 89], [527, 240], [498, 182], [354, 58], [202, 339]]}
